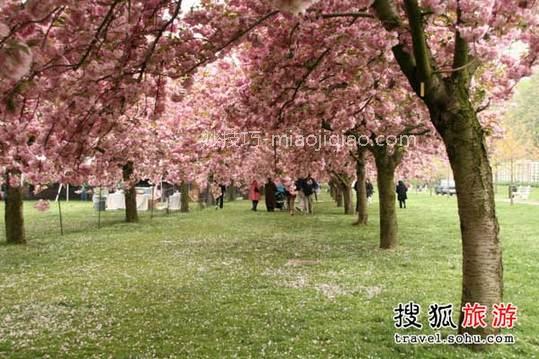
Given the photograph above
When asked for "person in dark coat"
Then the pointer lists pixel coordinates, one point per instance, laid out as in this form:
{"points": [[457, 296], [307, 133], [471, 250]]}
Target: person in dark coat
{"points": [[401, 194], [309, 188], [269, 193], [370, 190], [221, 199], [355, 186]]}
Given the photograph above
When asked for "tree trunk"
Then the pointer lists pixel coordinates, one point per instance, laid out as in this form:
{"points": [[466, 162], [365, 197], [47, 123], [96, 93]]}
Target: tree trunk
{"points": [[131, 214], [13, 216], [455, 118], [201, 197], [348, 199], [482, 280], [208, 196], [387, 160], [343, 186], [232, 192], [387, 198], [338, 197], [184, 205], [361, 194], [335, 191], [332, 191]]}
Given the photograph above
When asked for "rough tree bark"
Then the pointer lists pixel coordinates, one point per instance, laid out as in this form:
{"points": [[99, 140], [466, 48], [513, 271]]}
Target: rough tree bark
{"points": [[208, 196], [339, 198], [386, 162], [13, 215], [481, 252], [232, 193], [184, 199], [344, 185], [335, 191], [361, 189], [455, 118], [131, 214], [348, 198], [331, 186]]}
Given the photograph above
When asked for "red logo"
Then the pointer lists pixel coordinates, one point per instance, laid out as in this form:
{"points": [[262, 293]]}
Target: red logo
{"points": [[474, 315], [504, 316]]}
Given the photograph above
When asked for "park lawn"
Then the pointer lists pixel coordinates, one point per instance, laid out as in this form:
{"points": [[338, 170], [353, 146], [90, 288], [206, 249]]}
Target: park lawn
{"points": [[228, 283]]}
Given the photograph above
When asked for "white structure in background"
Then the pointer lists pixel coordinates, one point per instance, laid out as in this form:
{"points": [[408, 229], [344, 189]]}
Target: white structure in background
{"points": [[524, 171], [174, 201], [523, 192], [116, 200]]}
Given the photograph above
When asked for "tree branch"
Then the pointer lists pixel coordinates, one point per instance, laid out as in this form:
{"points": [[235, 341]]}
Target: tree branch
{"points": [[421, 50], [157, 38], [387, 13], [461, 55], [300, 83], [102, 27], [235, 38]]}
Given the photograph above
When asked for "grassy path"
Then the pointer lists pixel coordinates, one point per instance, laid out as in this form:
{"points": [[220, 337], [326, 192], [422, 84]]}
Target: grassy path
{"points": [[212, 284]]}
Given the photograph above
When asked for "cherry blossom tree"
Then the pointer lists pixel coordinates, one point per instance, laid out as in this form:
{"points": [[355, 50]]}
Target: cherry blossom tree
{"points": [[456, 57], [73, 71], [448, 50], [75, 68], [298, 84]]}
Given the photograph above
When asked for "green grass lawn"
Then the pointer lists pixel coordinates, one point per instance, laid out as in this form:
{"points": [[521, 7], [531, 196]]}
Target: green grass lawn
{"points": [[233, 283]]}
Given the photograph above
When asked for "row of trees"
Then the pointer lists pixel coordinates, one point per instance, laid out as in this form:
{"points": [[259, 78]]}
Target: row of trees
{"points": [[102, 90], [83, 86]]}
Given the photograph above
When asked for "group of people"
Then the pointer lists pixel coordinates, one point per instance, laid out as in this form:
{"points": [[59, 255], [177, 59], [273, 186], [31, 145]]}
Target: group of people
{"points": [[304, 189]]}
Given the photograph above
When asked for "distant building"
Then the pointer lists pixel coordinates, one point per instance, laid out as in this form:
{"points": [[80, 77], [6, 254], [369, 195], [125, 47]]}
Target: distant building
{"points": [[524, 171]]}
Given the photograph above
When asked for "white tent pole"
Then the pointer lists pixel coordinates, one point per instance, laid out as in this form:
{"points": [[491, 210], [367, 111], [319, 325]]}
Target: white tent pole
{"points": [[58, 194]]}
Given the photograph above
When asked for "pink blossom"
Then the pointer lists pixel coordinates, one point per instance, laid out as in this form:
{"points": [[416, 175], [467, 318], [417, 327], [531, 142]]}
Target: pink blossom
{"points": [[42, 205], [4, 30]]}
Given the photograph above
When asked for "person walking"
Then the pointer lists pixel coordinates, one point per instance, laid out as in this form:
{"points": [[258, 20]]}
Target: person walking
{"points": [[355, 186], [221, 199], [370, 190], [291, 189], [300, 184], [309, 186], [401, 194], [254, 194], [316, 191], [269, 193]]}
